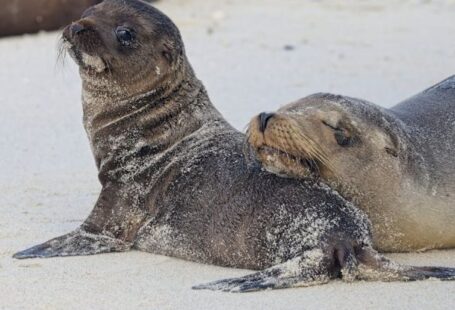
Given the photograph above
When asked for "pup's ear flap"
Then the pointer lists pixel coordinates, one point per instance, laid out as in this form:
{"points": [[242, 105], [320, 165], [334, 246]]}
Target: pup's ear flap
{"points": [[172, 51], [169, 51]]}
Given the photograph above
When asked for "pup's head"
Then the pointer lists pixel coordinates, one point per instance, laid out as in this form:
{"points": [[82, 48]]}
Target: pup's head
{"points": [[126, 42]]}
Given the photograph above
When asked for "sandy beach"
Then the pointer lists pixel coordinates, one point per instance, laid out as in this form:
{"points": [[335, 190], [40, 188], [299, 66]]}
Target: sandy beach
{"points": [[253, 56]]}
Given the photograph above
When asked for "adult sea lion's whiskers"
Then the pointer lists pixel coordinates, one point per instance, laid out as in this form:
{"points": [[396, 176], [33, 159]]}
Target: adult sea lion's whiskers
{"points": [[317, 154], [303, 144]]}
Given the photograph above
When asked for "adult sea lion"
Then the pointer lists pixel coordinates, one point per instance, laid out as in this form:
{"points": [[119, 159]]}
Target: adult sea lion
{"points": [[396, 164], [175, 180], [30, 16]]}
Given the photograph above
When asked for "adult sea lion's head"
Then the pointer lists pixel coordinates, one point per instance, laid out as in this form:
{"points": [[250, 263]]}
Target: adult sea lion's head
{"points": [[129, 44], [348, 142]]}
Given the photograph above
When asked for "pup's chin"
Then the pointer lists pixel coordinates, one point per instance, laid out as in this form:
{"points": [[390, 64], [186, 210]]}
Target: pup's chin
{"points": [[93, 63]]}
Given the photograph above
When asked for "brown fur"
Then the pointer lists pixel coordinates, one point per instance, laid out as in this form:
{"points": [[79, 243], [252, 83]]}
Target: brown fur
{"points": [[176, 182]]}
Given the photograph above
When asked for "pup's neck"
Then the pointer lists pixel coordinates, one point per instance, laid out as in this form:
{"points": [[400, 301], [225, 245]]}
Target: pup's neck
{"points": [[122, 129]]}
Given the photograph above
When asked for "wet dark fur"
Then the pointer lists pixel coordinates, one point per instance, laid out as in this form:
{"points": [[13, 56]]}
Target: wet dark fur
{"points": [[176, 182]]}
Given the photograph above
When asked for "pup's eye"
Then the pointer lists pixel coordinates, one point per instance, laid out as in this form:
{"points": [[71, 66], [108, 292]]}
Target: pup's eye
{"points": [[124, 35], [341, 135]]}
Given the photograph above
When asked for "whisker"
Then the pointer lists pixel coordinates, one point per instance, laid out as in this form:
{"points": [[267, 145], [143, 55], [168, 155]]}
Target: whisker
{"points": [[108, 66], [61, 52], [309, 148]]}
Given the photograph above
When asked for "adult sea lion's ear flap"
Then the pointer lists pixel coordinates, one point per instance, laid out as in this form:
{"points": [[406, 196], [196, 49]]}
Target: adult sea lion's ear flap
{"points": [[394, 144], [392, 151]]}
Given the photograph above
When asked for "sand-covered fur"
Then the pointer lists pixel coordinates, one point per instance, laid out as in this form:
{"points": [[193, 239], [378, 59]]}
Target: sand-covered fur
{"points": [[175, 180]]}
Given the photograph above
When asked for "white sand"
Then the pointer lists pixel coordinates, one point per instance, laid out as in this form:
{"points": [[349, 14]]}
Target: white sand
{"points": [[381, 52]]}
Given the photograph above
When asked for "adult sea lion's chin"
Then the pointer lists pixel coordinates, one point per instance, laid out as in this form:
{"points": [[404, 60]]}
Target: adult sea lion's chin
{"points": [[284, 164]]}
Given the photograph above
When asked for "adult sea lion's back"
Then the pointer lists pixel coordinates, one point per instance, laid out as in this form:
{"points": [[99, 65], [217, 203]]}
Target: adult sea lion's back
{"points": [[431, 116]]}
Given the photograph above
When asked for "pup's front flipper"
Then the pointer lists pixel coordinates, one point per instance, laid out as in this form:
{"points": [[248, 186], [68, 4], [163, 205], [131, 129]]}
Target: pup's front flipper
{"points": [[75, 243], [110, 227]]}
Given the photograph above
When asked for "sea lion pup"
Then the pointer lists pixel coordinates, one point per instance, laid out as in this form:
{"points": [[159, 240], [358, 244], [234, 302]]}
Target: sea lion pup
{"points": [[396, 164], [175, 180]]}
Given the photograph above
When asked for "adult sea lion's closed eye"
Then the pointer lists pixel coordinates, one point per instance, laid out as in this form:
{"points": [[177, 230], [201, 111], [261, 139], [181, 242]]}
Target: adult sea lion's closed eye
{"points": [[342, 135]]}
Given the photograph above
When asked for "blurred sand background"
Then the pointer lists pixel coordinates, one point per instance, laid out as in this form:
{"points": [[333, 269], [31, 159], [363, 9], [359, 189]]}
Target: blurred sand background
{"points": [[253, 56]]}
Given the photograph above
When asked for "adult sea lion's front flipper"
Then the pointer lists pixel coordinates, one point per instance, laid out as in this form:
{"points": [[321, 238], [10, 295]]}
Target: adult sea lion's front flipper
{"points": [[74, 243]]}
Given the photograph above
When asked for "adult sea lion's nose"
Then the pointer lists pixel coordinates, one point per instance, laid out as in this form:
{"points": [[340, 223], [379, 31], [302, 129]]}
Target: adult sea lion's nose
{"points": [[264, 119]]}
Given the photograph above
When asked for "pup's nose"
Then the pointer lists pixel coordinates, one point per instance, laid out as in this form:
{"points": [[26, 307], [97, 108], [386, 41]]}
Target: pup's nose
{"points": [[77, 28], [263, 120]]}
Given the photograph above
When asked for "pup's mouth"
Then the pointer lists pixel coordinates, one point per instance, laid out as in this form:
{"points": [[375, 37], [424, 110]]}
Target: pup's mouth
{"points": [[88, 63]]}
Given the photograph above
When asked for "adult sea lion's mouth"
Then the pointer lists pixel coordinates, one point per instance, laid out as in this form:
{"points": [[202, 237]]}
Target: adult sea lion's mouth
{"points": [[307, 163]]}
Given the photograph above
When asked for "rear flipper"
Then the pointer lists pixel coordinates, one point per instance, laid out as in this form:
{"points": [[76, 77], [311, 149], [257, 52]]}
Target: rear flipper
{"points": [[75, 243], [306, 270], [318, 267], [376, 267]]}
